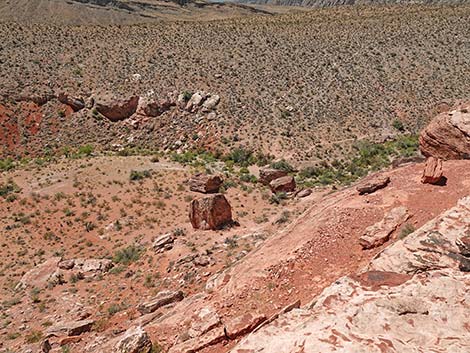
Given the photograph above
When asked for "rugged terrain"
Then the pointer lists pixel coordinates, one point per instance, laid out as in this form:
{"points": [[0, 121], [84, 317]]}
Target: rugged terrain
{"points": [[122, 12], [300, 86]]}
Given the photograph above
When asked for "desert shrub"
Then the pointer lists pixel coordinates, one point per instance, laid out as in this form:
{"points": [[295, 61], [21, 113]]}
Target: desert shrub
{"points": [[6, 164], [282, 165], [8, 188], [139, 175], [277, 198], [397, 124], [85, 150], [241, 156], [127, 255], [406, 230]]}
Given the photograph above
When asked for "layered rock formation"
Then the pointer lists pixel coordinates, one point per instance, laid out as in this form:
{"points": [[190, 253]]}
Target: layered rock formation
{"points": [[413, 296], [448, 135]]}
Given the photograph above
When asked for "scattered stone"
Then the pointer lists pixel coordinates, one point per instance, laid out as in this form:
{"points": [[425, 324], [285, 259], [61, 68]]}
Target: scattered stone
{"points": [[210, 212], [266, 175], [204, 183], [163, 298], [242, 325], [116, 109], [66, 264], [448, 135], [93, 265], [164, 242], [283, 184], [373, 184], [195, 101], [134, 340], [76, 103], [211, 102], [378, 233], [153, 107], [71, 328], [39, 276], [432, 173], [202, 260], [304, 193]]}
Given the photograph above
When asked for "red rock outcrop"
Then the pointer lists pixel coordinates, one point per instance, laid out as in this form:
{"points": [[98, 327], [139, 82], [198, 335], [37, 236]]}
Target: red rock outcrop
{"points": [[448, 135], [432, 173], [419, 281], [76, 103], [266, 175], [210, 212], [116, 109], [205, 183], [283, 184]]}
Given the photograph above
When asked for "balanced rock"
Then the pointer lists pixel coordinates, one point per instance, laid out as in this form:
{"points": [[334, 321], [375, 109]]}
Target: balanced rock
{"points": [[432, 173], [283, 184], [205, 183], [373, 184], [266, 175], [116, 109], [134, 340], [76, 103], [448, 135], [210, 212]]}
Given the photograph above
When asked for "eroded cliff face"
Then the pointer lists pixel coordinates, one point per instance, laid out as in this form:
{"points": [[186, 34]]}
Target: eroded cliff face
{"points": [[413, 296]]}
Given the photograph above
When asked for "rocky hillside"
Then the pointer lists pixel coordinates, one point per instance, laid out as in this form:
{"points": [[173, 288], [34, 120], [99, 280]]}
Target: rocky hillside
{"points": [[329, 78], [331, 3], [141, 254], [84, 12], [420, 281]]}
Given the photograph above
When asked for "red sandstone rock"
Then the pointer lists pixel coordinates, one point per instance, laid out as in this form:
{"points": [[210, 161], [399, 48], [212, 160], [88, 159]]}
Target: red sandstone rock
{"points": [[210, 212], [373, 184], [283, 184], [432, 173], [448, 135], [266, 175], [116, 109], [76, 103], [205, 183]]}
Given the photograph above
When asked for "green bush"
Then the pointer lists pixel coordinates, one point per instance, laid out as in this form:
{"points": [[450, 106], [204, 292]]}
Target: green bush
{"points": [[139, 175], [128, 255], [282, 165]]}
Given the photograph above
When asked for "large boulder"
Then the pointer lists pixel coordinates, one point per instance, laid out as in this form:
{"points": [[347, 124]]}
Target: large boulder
{"points": [[283, 184], [373, 184], [266, 175], [448, 135], [115, 108], [210, 212], [76, 103], [432, 173], [40, 276], [205, 183]]}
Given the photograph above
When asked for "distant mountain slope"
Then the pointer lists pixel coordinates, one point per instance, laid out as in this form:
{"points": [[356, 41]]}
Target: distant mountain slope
{"points": [[116, 11], [330, 3]]}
